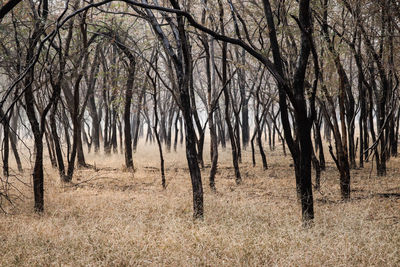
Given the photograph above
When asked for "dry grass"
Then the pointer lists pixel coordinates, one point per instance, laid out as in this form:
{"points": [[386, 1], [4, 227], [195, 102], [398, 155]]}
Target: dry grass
{"points": [[116, 218]]}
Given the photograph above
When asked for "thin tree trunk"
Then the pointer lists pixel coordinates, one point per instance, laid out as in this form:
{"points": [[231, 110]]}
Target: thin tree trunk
{"points": [[59, 156], [6, 144], [13, 141], [238, 177], [163, 183], [139, 109]]}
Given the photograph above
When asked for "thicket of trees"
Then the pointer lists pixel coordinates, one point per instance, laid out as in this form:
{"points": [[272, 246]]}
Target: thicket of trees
{"points": [[89, 76]]}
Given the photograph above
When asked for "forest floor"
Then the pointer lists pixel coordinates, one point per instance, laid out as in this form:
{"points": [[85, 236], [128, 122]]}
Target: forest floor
{"points": [[111, 217]]}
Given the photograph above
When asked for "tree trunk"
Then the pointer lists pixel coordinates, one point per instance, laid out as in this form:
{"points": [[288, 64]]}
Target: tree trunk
{"points": [[139, 109], [81, 156], [211, 103], [238, 177], [38, 188], [6, 143], [50, 149], [176, 131], [57, 147], [301, 151], [127, 114], [163, 183]]}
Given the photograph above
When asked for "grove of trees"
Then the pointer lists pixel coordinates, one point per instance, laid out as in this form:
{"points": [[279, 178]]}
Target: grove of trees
{"points": [[88, 76]]}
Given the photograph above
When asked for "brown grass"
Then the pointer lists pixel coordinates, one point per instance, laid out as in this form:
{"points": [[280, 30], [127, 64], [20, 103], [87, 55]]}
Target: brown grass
{"points": [[114, 218]]}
